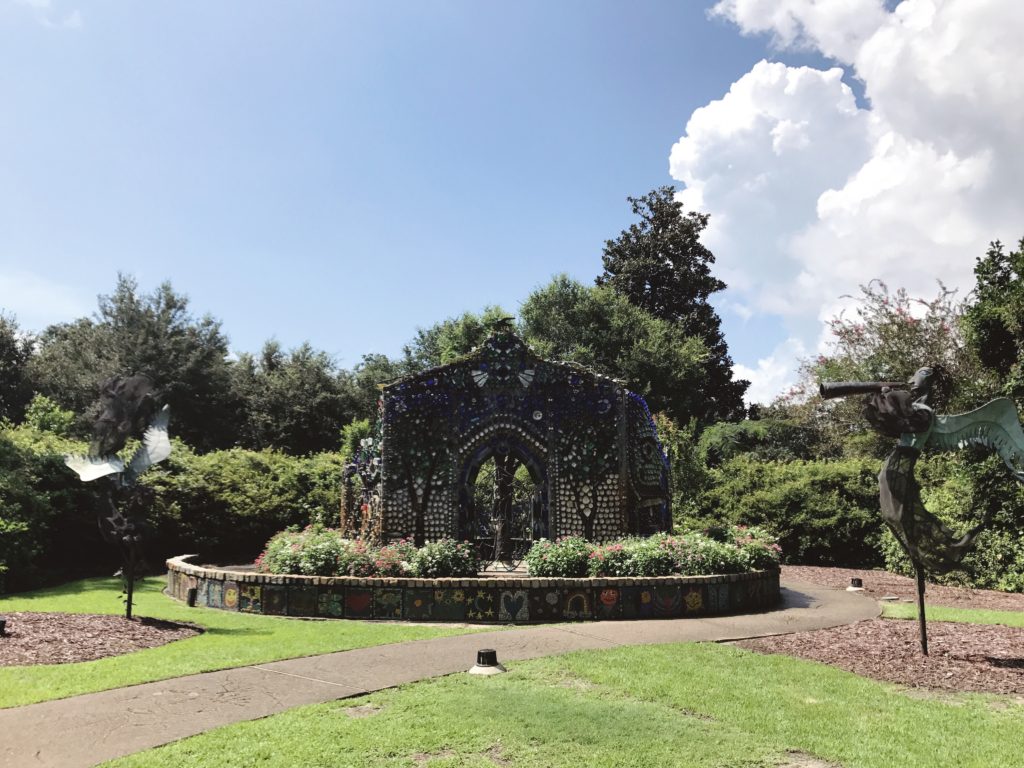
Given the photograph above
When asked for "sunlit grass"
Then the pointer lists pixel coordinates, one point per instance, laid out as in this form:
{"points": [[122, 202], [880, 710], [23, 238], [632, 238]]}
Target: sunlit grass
{"points": [[694, 705], [229, 640], [944, 613]]}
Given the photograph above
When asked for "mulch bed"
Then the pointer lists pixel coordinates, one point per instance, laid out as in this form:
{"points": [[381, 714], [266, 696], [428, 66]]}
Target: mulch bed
{"points": [[879, 584], [963, 657], [63, 638]]}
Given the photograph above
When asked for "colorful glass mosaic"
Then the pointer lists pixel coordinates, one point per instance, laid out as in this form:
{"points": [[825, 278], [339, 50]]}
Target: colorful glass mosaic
{"points": [[589, 444]]}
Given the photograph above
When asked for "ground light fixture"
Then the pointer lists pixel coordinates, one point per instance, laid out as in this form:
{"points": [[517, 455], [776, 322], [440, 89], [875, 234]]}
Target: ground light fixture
{"points": [[856, 585], [487, 663], [3, 626]]}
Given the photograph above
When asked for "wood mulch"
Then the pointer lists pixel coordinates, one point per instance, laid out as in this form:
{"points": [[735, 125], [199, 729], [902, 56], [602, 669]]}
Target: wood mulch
{"points": [[963, 657], [64, 638]]}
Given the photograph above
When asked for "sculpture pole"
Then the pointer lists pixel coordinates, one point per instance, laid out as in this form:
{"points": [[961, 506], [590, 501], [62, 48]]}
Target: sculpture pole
{"points": [[922, 624]]}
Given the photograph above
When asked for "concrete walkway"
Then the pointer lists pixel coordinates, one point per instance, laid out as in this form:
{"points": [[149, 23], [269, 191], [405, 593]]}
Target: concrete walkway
{"points": [[89, 729]]}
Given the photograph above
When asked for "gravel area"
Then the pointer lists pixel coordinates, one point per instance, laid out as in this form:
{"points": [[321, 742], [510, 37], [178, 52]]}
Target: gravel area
{"points": [[64, 638], [879, 584]]}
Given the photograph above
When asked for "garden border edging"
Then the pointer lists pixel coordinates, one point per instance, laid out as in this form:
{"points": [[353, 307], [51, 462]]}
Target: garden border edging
{"points": [[490, 600]]}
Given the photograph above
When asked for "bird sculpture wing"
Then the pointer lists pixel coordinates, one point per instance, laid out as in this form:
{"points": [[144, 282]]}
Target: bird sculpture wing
{"points": [[94, 467], [994, 425], [156, 445]]}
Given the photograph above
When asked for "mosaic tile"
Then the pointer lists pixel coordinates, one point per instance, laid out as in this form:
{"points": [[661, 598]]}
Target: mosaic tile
{"points": [[358, 603], [302, 601], [449, 605], [387, 603], [576, 605], [214, 593], [419, 604], [275, 600], [607, 603], [693, 599], [545, 604], [668, 602], [231, 595], [480, 605], [514, 605], [331, 603], [250, 598], [718, 598]]}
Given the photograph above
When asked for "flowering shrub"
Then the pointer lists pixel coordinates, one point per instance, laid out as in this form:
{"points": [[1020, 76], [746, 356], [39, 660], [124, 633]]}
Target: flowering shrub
{"points": [[395, 559], [728, 549], [447, 557], [568, 556], [314, 551]]}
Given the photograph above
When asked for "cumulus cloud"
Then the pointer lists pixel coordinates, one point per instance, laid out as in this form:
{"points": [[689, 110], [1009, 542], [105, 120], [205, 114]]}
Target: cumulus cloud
{"points": [[811, 194], [772, 374]]}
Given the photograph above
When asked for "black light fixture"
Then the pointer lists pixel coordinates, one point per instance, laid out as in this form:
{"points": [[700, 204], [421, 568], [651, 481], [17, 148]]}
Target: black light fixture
{"points": [[191, 596], [3, 626], [855, 582], [487, 663]]}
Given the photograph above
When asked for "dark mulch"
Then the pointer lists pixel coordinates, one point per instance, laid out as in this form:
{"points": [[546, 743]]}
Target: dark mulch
{"points": [[963, 657], [63, 638], [879, 584]]}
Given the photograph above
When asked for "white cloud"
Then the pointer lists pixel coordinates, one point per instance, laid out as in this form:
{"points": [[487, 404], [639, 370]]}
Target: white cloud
{"points": [[811, 195], [773, 374], [38, 301]]}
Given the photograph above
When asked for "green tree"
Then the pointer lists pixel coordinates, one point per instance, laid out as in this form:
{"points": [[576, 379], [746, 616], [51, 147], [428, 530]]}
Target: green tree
{"points": [[363, 383], [887, 337], [598, 328], [153, 334], [995, 321], [15, 384], [450, 339], [661, 266], [291, 401]]}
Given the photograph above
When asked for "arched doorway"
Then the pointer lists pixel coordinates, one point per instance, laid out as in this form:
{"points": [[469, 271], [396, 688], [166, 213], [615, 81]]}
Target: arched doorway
{"points": [[503, 499]]}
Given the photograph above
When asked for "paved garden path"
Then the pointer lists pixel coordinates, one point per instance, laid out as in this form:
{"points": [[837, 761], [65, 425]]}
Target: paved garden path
{"points": [[89, 729]]}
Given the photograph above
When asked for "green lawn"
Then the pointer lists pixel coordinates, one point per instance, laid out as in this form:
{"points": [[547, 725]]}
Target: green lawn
{"points": [[230, 640], [673, 705], [942, 613]]}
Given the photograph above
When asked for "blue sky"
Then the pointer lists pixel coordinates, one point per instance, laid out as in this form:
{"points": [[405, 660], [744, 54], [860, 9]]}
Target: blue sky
{"points": [[345, 172]]}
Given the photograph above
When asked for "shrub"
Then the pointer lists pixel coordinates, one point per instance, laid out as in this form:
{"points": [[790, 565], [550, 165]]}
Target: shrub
{"points": [[633, 557], [395, 559], [567, 557], [445, 558], [824, 512]]}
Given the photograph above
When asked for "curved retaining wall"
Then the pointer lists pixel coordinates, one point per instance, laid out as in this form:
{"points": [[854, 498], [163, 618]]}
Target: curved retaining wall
{"points": [[486, 600]]}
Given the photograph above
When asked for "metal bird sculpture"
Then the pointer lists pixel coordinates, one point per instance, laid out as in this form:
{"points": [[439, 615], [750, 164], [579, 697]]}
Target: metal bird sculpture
{"points": [[905, 414], [127, 408]]}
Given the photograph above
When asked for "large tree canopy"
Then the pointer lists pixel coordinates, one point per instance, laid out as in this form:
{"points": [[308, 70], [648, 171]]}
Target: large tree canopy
{"points": [[661, 266], [996, 319], [153, 334], [291, 401], [597, 327], [449, 339], [15, 387]]}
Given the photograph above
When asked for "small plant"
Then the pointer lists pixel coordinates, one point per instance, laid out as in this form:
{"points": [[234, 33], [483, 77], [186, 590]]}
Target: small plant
{"points": [[568, 557], [395, 559], [445, 558]]}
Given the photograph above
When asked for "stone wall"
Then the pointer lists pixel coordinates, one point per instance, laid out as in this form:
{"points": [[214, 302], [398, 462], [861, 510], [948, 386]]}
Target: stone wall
{"points": [[485, 600]]}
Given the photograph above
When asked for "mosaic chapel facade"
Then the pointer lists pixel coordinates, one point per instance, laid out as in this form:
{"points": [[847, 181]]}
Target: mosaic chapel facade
{"points": [[588, 444]]}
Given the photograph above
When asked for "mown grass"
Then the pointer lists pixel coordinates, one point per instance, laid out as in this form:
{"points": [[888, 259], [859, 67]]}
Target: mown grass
{"points": [[944, 613], [693, 705], [229, 640]]}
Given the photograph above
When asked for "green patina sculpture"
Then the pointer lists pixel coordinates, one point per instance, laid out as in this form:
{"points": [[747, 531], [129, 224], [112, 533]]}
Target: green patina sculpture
{"points": [[906, 415]]}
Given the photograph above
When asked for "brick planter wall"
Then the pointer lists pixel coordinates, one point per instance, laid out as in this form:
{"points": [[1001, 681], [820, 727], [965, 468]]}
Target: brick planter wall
{"points": [[485, 600]]}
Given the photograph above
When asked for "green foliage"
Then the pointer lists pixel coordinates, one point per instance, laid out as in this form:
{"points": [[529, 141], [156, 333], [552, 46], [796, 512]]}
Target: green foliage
{"points": [[764, 440], [567, 557], [888, 337], [293, 402], [15, 383], [450, 339], [316, 551], [226, 504], [995, 321], [352, 435], [598, 328], [363, 383], [660, 266], [823, 512], [153, 334], [961, 489], [44, 415], [736, 550], [688, 473], [443, 558]]}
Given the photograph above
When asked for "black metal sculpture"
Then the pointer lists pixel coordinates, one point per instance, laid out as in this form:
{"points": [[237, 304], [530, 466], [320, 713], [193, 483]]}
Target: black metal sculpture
{"points": [[901, 411], [128, 409]]}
